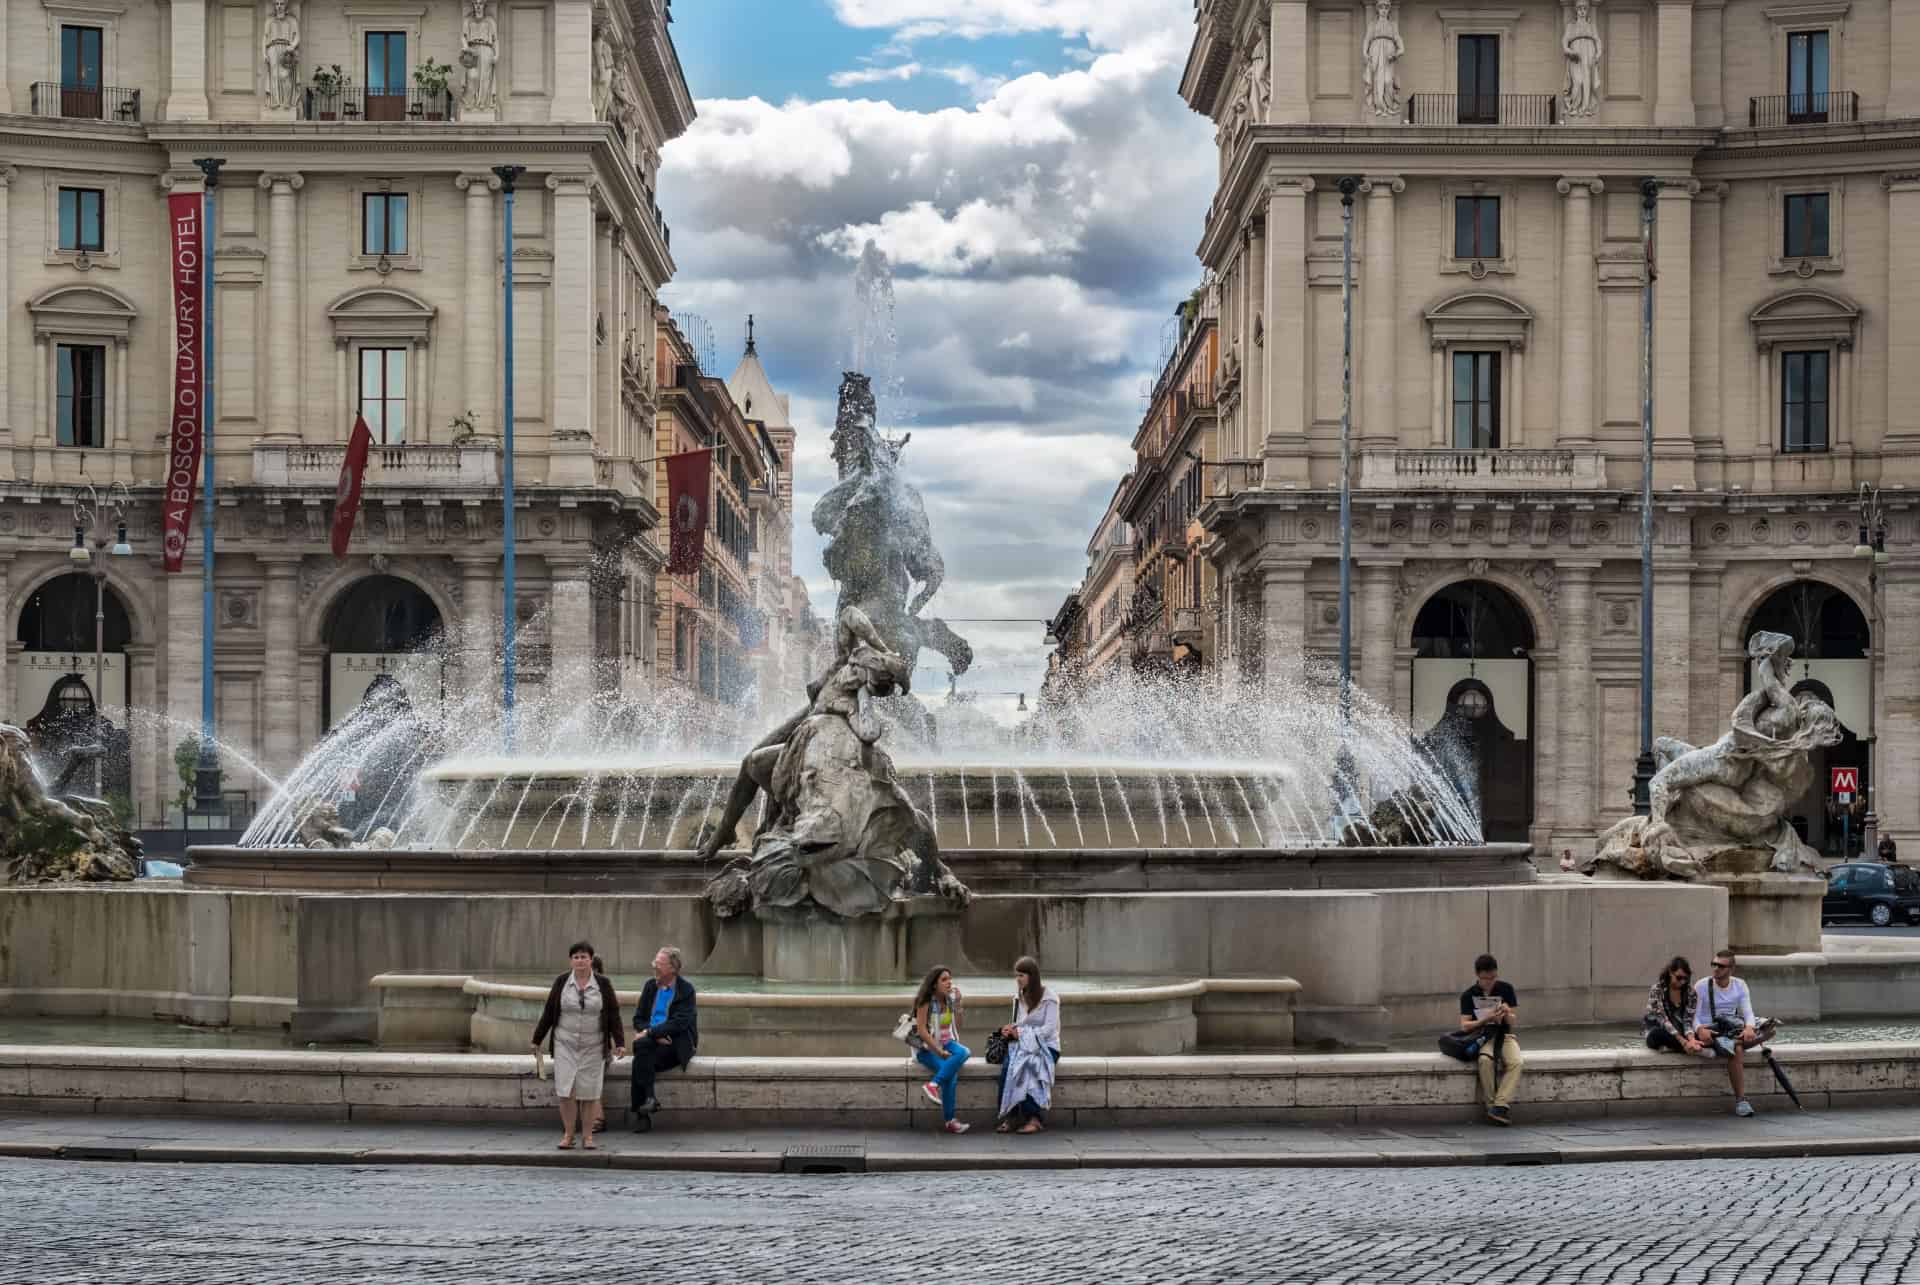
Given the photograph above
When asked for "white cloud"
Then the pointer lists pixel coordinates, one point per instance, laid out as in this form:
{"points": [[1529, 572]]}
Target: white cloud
{"points": [[1105, 23], [873, 75]]}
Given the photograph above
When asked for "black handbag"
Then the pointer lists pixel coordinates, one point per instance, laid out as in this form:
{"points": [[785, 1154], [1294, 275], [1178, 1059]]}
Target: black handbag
{"points": [[1462, 1046], [997, 1043]]}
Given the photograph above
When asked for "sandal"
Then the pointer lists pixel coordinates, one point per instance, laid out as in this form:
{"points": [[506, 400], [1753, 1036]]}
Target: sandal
{"points": [[1031, 1126], [566, 1143], [586, 1143], [1003, 1127]]}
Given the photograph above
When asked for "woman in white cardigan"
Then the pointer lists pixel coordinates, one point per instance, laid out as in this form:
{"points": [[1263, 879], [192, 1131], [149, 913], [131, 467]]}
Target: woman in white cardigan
{"points": [[1033, 1046]]}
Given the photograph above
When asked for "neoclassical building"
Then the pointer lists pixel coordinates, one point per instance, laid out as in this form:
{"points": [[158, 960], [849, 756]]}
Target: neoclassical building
{"points": [[1500, 152], [358, 270]]}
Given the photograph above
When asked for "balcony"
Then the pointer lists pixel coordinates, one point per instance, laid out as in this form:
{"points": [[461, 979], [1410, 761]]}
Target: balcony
{"points": [[354, 103], [1483, 109], [1838, 107], [1517, 469], [94, 102], [1189, 627], [472, 464]]}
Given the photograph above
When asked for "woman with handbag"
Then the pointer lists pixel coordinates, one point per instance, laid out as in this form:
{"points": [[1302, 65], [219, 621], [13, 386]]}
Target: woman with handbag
{"points": [[582, 1017], [936, 1025], [1030, 1049], [1668, 1023]]}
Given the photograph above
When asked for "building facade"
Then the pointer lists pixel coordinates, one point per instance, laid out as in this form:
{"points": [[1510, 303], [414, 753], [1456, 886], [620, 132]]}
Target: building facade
{"points": [[1107, 590], [357, 270], [1497, 341]]}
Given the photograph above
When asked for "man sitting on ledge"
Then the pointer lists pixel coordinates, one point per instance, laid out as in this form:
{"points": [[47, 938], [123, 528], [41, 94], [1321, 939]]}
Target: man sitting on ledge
{"points": [[1728, 1027], [666, 1031], [1490, 1005]]}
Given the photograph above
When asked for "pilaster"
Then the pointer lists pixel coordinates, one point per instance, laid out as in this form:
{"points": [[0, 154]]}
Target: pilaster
{"points": [[479, 624], [1287, 58], [280, 688], [1577, 293], [1283, 619], [1903, 48], [1673, 104], [1896, 795], [1377, 581], [6, 321], [572, 61], [1673, 335], [478, 325], [570, 462], [1285, 331], [283, 309], [1380, 308], [571, 625], [1572, 792], [1901, 458], [187, 61]]}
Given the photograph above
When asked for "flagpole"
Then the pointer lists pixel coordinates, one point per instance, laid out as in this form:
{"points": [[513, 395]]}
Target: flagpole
{"points": [[509, 602], [206, 768]]}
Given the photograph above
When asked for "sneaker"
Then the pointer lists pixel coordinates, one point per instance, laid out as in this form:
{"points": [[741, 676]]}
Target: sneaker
{"points": [[932, 1091], [1743, 1108], [1498, 1115], [956, 1126]]}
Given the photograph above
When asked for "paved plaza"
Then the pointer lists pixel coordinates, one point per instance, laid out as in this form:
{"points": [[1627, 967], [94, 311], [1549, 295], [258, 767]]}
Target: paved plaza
{"points": [[1851, 1220]]}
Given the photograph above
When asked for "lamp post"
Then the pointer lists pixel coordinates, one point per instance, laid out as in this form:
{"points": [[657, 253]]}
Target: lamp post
{"points": [[91, 522], [1872, 548], [1344, 773], [1643, 766], [206, 768], [509, 605]]}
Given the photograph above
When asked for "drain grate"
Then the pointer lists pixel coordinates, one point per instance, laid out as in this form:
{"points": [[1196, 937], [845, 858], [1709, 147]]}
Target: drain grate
{"points": [[827, 1158]]}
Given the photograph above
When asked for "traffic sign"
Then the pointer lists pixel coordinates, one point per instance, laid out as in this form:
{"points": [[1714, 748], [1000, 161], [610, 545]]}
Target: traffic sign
{"points": [[1843, 797], [1846, 780]]}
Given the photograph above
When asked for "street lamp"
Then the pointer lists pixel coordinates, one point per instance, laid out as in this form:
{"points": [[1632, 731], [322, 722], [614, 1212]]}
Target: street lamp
{"points": [[1344, 772], [1643, 766], [508, 175], [1873, 549], [206, 768], [92, 519]]}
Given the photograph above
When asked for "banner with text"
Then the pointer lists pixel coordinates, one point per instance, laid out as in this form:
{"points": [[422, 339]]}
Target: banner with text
{"points": [[184, 425], [689, 492]]}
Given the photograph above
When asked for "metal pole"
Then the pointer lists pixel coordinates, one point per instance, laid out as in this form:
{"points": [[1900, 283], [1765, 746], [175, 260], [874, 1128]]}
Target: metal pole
{"points": [[99, 658], [1347, 188], [509, 607], [206, 771], [1873, 529], [1643, 766]]}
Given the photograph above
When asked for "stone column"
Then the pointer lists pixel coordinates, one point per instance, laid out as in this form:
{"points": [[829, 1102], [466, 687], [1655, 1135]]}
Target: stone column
{"points": [[283, 307], [280, 690], [1284, 447], [1673, 105], [1673, 335], [1377, 580], [187, 63], [1573, 792], [1253, 367], [1901, 460], [1287, 63], [1896, 796], [478, 337], [480, 638], [1577, 292], [1283, 619], [572, 61], [570, 462], [570, 621], [6, 322], [1380, 309], [1709, 392], [1672, 638], [1903, 91]]}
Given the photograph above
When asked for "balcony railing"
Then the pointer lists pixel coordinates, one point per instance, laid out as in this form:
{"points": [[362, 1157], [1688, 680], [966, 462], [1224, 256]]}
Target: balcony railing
{"points": [[96, 102], [1188, 627], [1518, 469], [1839, 106], [1482, 109], [427, 464], [374, 106]]}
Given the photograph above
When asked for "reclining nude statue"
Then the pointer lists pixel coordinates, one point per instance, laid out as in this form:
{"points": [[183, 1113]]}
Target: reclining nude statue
{"points": [[838, 831], [1712, 804]]}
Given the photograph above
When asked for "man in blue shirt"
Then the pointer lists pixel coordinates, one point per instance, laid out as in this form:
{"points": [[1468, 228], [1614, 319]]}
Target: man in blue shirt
{"points": [[666, 1031]]}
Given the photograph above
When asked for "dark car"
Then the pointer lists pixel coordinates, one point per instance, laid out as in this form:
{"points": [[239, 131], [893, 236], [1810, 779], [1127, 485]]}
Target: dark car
{"points": [[1877, 893]]}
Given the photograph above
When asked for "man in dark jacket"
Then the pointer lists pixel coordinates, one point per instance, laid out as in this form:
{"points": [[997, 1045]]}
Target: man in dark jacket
{"points": [[666, 1031]]}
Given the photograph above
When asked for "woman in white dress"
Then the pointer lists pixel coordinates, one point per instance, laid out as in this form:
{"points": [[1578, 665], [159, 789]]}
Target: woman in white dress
{"points": [[582, 1020]]}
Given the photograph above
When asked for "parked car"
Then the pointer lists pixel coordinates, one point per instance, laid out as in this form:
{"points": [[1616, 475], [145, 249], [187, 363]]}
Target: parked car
{"points": [[1876, 893]]}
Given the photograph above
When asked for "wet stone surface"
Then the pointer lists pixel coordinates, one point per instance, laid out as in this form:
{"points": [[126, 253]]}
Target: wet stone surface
{"points": [[1780, 1221]]}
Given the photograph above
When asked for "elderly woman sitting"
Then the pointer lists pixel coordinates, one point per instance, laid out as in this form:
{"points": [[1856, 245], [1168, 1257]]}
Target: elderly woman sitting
{"points": [[1026, 1077]]}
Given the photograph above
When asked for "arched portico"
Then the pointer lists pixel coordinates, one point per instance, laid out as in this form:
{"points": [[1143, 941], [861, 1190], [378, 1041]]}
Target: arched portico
{"points": [[370, 625], [71, 684], [1473, 696]]}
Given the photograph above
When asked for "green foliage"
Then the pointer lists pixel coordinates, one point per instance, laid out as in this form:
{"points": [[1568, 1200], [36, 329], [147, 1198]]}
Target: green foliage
{"points": [[186, 757]]}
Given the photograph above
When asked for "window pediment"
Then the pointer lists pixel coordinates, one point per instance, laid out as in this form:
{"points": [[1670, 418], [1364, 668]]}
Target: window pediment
{"points": [[82, 310], [381, 312], [1805, 316], [1479, 317]]}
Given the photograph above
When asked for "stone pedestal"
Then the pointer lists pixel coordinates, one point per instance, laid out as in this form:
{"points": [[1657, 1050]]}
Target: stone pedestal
{"points": [[811, 945], [1771, 914]]}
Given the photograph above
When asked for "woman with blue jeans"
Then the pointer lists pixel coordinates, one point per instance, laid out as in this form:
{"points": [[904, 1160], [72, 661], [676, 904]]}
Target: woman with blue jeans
{"points": [[936, 1020]]}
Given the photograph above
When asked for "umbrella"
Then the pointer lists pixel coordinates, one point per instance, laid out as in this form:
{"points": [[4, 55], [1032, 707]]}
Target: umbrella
{"points": [[1780, 1074]]}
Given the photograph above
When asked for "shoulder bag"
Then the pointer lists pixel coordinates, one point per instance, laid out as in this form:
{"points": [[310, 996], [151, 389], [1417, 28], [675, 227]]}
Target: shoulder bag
{"points": [[905, 1031], [997, 1043]]}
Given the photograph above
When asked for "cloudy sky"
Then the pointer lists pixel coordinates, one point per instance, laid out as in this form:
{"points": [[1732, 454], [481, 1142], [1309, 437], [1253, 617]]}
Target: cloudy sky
{"points": [[1029, 169]]}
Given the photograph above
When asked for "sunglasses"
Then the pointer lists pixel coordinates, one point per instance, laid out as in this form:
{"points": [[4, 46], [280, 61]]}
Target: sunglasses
{"points": [[1719, 967]]}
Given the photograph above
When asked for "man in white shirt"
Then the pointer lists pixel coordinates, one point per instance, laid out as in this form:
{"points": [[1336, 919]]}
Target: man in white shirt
{"points": [[1727, 1025]]}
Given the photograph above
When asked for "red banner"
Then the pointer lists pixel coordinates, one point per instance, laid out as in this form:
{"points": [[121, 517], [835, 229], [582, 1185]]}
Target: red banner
{"points": [[689, 488], [346, 497], [183, 429]]}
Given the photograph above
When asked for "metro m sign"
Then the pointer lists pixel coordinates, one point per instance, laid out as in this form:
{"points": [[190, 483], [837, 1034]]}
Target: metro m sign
{"points": [[1846, 780]]}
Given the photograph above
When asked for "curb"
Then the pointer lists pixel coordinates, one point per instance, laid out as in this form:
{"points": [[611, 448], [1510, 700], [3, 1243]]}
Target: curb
{"points": [[770, 1162]]}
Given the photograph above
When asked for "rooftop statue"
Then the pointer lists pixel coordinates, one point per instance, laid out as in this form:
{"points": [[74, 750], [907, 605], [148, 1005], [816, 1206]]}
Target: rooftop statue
{"points": [[1722, 808]]}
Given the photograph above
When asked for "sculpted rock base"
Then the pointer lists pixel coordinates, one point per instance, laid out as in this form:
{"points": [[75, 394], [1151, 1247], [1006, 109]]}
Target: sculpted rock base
{"points": [[56, 840]]}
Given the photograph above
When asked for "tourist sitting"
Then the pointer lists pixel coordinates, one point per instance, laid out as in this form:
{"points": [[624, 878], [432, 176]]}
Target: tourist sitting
{"points": [[1887, 850], [1033, 1047], [936, 1023], [1668, 1023], [666, 1026], [1723, 1013], [1491, 1006], [582, 1019]]}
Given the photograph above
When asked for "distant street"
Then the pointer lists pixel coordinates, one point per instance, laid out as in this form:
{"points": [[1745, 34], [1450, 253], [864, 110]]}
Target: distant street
{"points": [[1774, 1221]]}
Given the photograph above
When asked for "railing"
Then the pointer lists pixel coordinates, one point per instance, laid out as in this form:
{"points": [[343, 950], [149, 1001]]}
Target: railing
{"points": [[427, 464], [1187, 626], [1505, 469], [1839, 106], [355, 103], [96, 102], [1483, 109]]}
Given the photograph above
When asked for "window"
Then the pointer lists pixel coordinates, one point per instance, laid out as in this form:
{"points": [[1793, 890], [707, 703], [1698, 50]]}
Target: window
{"points": [[1806, 226], [1476, 227], [80, 64], [383, 223], [1803, 401], [1476, 400], [386, 75], [1478, 83], [83, 219], [82, 375], [1806, 77], [383, 393]]}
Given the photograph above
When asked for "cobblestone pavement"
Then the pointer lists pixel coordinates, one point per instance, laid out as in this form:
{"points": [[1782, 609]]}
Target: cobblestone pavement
{"points": [[1780, 1222]]}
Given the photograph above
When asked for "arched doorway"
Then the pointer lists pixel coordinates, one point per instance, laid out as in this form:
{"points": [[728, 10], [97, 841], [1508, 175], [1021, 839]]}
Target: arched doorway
{"points": [[1831, 645], [1473, 697], [54, 686], [380, 627]]}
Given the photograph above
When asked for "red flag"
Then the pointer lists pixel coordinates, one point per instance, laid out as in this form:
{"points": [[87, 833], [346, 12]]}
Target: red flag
{"points": [[346, 499], [183, 424], [689, 486]]}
